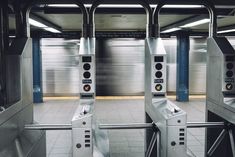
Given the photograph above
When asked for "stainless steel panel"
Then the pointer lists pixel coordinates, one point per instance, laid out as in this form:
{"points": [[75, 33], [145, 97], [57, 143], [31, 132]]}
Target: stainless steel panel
{"points": [[27, 74], [87, 58], [16, 142], [120, 67], [82, 134], [170, 120], [220, 85], [119, 62], [60, 66]]}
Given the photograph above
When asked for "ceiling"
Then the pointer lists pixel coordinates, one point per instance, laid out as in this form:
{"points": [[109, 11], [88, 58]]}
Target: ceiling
{"points": [[73, 22], [111, 19]]}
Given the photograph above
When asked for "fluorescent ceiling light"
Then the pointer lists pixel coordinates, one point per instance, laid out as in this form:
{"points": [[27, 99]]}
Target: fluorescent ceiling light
{"points": [[36, 23], [12, 36], [196, 23], [52, 30], [171, 30], [62, 5], [226, 31], [100, 6], [183, 6], [124, 6], [41, 25]]}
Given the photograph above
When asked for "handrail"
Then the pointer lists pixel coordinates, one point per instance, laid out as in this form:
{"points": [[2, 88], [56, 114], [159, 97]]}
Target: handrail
{"points": [[29, 6], [144, 3], [210, 7]]}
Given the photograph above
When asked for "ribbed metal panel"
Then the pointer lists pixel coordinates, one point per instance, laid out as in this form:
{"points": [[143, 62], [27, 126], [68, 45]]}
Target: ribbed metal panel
{"points": [[120, 66], [59, 67]]}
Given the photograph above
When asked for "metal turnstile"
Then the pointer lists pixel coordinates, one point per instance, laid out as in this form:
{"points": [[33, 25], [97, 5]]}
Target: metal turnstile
{"points": [[169, 119], [88, 141], [220, 102], [166, 124], [16, 95]]}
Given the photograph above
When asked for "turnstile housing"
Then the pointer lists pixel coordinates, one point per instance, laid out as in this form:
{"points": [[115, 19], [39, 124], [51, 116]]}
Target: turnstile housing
{"points": [[170, 120], [15, 141], [220, 102]]}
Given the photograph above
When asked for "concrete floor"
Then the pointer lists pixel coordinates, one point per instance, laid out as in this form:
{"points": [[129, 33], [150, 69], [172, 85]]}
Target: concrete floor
{"points": [[123, 143]]}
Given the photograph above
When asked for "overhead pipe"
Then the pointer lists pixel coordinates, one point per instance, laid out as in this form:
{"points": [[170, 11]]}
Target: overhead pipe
{"points": [[29, 6], [144, 3], [18, 19], [209, 6]]}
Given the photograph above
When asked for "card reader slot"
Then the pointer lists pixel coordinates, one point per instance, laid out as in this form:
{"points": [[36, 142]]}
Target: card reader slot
{"points": [[87, 96], [158, 94]]}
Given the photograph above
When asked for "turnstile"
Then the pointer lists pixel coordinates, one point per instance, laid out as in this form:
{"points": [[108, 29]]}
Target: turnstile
{"points": [[166, 123], [159, 110], [220, 102], [88, 141], [82, 119], [16, 98], [169, 119]]}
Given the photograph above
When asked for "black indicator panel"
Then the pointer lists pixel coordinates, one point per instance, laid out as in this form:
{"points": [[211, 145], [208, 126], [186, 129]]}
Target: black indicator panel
{"points": [[158, 58], [158, 81], [230, 59], [86, 59], [229, 80]]}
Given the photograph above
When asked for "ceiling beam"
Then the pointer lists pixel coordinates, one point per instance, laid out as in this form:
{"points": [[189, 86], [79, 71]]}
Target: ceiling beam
{"points": [[216, 2], [53, 10], [226, 27], [184, 21]]}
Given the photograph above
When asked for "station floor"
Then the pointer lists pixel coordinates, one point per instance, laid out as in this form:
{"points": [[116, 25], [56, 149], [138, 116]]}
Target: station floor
{"points": [[123, 143]]}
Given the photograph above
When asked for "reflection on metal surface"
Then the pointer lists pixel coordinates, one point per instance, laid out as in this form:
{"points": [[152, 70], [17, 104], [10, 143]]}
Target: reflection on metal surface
{"points": [[60, 66], [15, 141], [119, 66]]}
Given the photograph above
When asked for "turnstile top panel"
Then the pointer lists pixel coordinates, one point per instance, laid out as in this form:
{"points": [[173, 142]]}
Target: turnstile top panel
{"points": [[155, 46], [87, 46]]}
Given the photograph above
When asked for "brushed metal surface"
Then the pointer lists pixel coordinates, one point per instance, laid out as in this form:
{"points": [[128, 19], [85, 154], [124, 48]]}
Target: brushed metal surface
{"points": [[119, 62], [15, 141], [170, 119], [220, 99], [60, 67]]}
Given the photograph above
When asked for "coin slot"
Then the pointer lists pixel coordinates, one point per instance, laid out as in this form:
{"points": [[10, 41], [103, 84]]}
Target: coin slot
{"points": [[181, 134], [87, 145], [181, 139], [87, 136], [182, 129], [87, 141]]}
